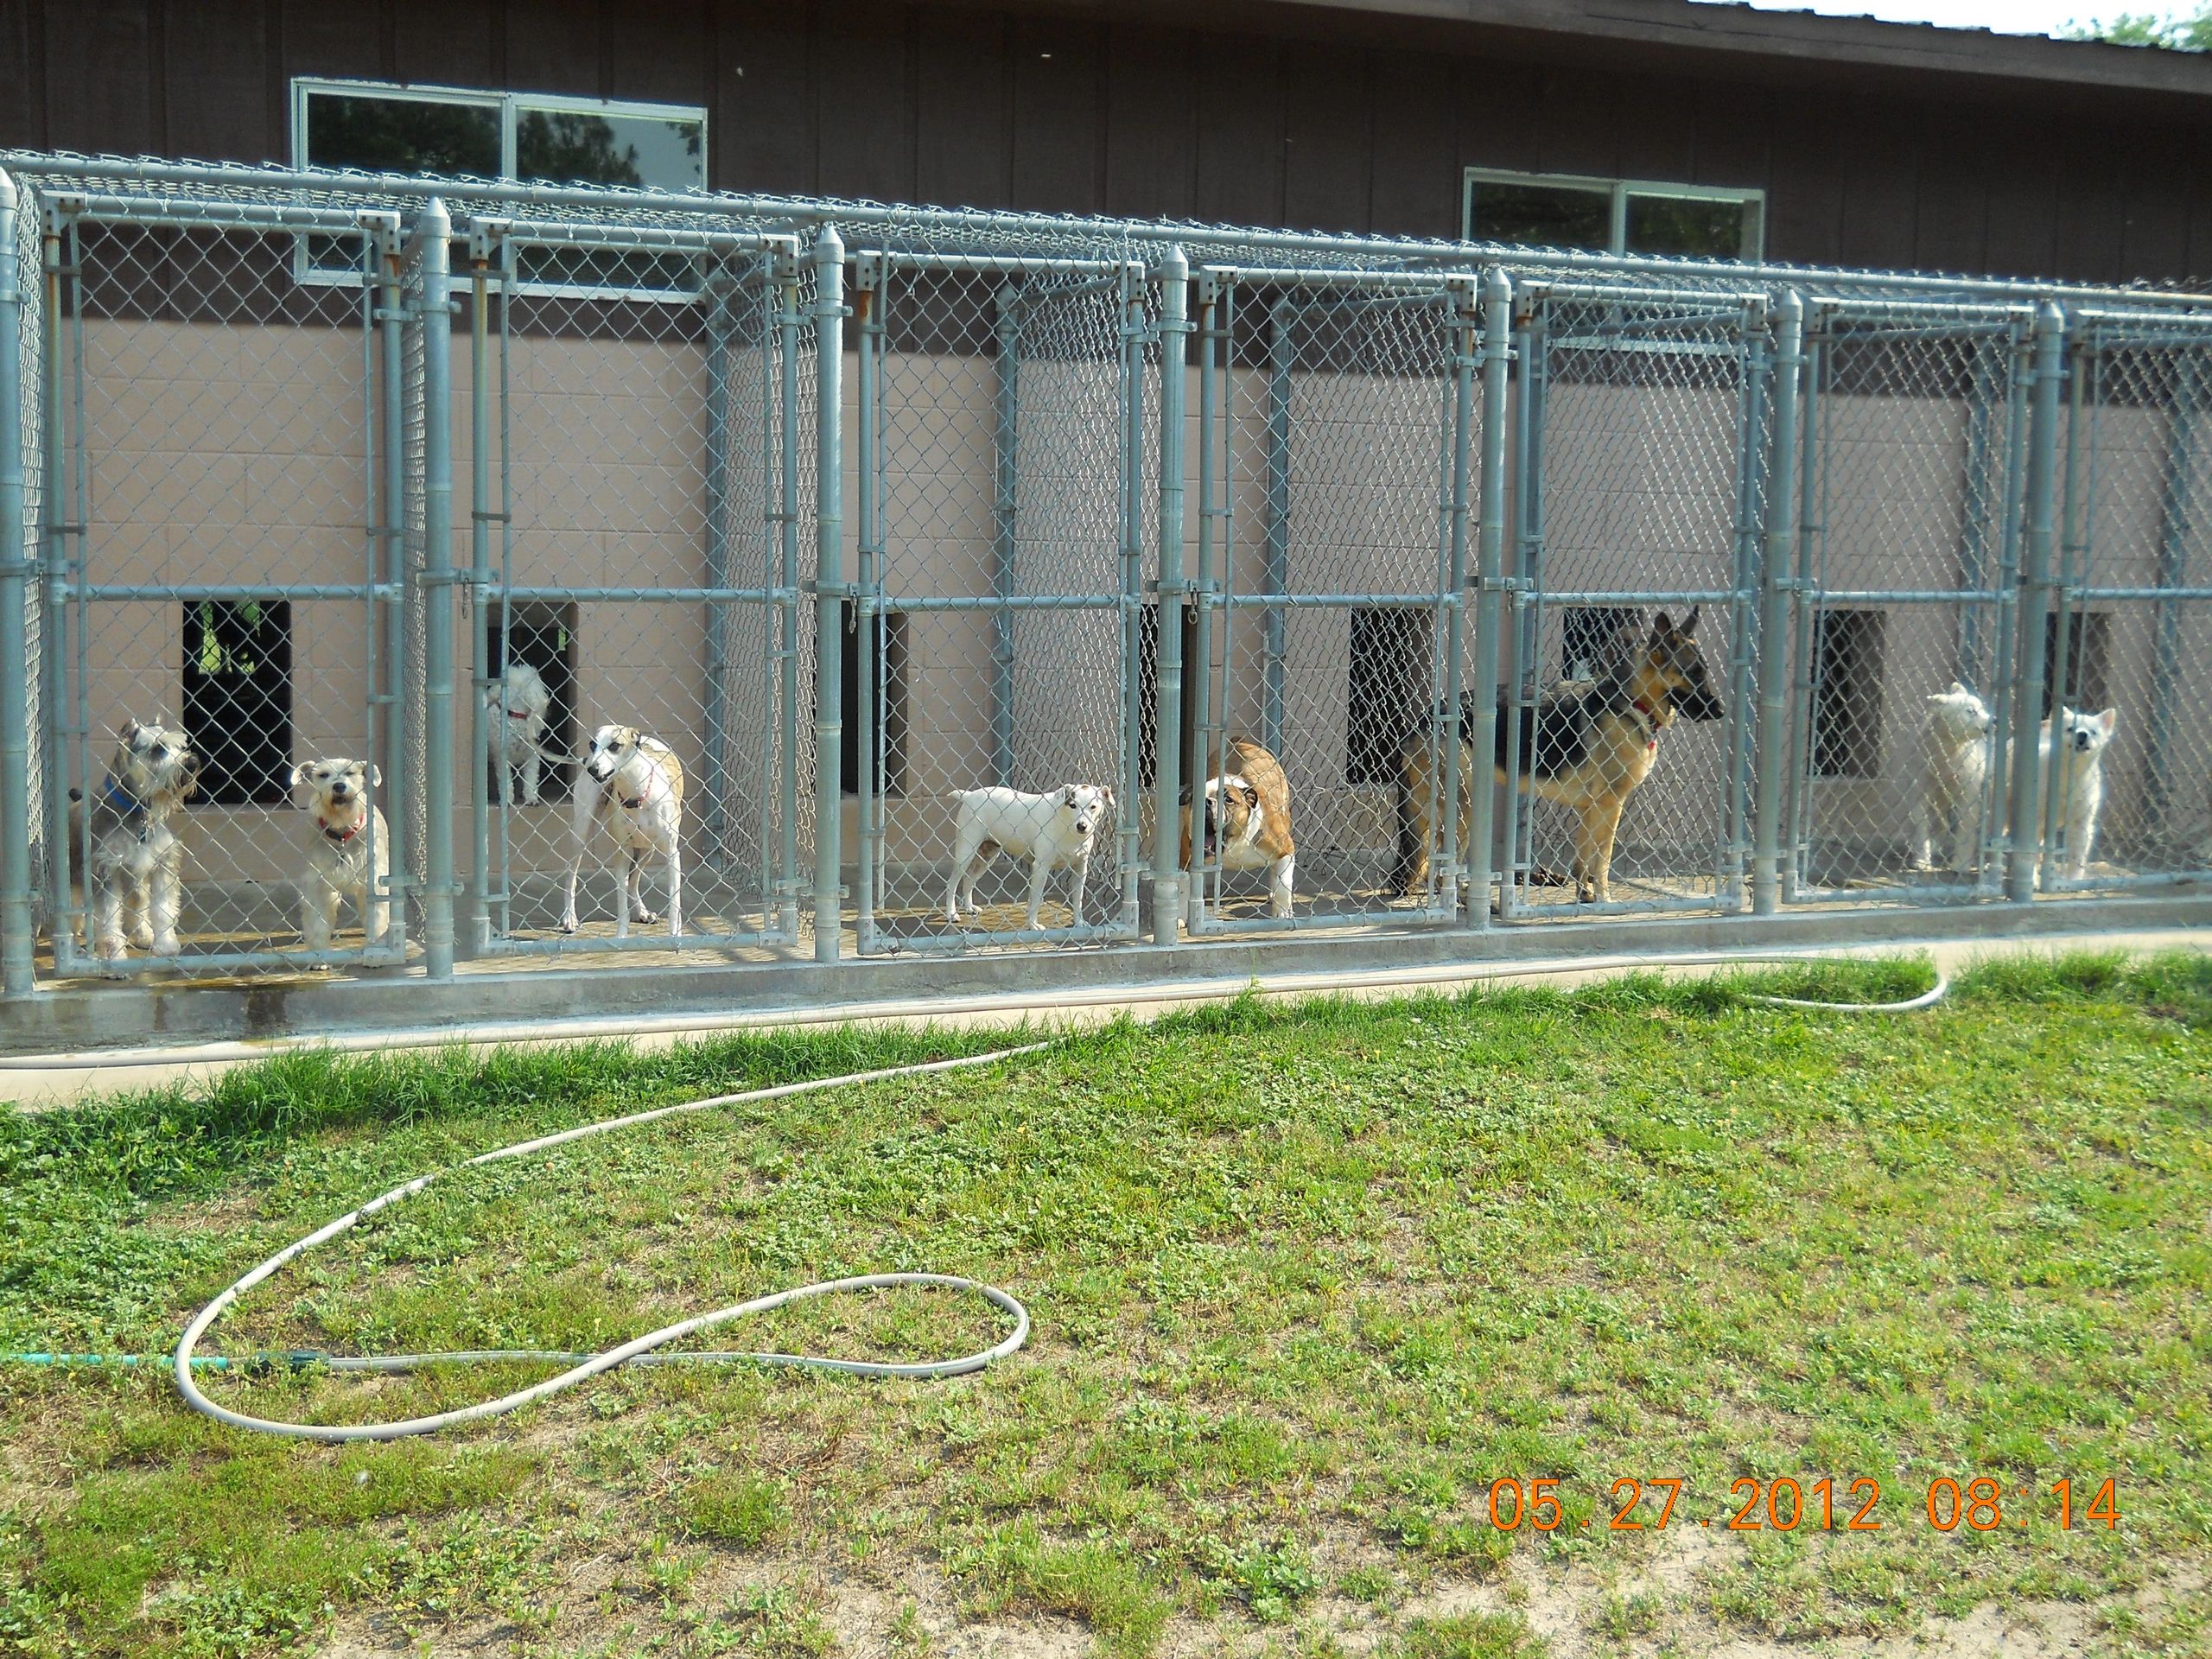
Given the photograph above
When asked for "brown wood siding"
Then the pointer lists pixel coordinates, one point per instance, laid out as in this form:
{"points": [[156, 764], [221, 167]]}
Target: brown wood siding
{"points": [[1059, 107]]}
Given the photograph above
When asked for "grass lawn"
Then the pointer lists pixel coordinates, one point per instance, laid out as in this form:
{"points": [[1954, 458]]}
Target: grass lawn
{"points": [[1307, 1282]]}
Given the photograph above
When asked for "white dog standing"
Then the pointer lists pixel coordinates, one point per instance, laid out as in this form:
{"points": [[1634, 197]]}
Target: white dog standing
{"points": [[632, 790], [349, 849], [1954, 772], [1054, 831], [137, 863], [2082, 739], [519, 701]]}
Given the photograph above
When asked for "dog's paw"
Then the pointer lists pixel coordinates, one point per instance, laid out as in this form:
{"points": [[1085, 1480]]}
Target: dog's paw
{"points": [[111, 953], [569, 924], [142, 938], [641, 914], [167, 945]]}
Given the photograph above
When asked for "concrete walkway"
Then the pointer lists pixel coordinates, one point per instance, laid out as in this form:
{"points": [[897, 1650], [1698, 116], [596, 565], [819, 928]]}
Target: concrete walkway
{"points": [[34, 1082]]}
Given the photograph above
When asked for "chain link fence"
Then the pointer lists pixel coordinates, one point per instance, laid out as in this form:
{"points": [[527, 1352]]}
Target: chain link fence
{"points": [[444, 476], [1909, 546], [997, 628], [213, 426], [1338, 437], [2127, 755], [1629, 703], [633, 597]]}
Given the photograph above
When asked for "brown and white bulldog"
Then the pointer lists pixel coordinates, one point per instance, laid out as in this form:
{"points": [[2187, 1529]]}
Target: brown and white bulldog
{"points": [[1247, 822]]}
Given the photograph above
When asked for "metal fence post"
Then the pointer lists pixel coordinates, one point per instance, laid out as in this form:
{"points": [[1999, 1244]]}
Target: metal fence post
{"points": [[1744, 617], [1526, 580], [2076, 507], [1490, 590], [16, 950], [1773, 667], [1007, 364], [434, 235], [62, 723], [1281, 351], [391, 322], [868, 293], [2050, 341], [1462, 295], [1137, 338], [482, 516], [1174, 352], [784, 525], [829, 568], [1197, 758], [1812, 526]]}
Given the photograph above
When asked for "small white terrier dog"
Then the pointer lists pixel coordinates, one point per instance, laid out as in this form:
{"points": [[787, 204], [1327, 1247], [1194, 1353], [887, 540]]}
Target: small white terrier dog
{"points": [[1953, 773], [519, 703], [1054, 831], [348, 850]]}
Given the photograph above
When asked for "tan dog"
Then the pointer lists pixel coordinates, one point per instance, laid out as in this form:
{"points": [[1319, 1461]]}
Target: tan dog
{"points": [[1246, 823], [136, 862], [633, 791], [1588, 747]]}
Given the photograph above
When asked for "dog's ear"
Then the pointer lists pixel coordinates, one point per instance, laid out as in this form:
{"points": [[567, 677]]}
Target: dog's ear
{"points": [[296, 771], [1072, 796], [1251, 797], [1689, 622], [376, 775], [1108, 796], [1663, 625], [1958, 690], [2109, 719], [129, 730]]}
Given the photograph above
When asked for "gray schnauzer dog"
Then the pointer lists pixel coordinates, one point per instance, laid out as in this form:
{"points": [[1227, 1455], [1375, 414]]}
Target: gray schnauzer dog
{"points": [[137, 863]]}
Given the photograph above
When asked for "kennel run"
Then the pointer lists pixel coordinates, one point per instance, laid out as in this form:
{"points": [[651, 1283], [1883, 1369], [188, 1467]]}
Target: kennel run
{"points": [[851, 507]]}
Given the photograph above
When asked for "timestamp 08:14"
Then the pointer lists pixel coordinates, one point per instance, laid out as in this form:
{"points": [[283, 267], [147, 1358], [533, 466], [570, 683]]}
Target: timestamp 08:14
{"points": [[1979, 1503]]}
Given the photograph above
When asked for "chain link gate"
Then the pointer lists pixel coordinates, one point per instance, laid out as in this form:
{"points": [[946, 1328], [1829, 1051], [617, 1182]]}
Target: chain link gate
{"points": [[995, 633], [2130, 626], [213, 547], [1914, 448], [1640, 460], [634, 455], [1335, 480]]}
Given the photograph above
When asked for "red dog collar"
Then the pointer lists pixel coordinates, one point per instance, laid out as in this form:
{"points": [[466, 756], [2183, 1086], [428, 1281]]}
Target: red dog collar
{"points": [[340, 836], [1651, 713]]}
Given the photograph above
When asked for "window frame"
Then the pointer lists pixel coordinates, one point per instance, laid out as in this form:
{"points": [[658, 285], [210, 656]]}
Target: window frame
{"points": [[1619, 191], [509, 105]]}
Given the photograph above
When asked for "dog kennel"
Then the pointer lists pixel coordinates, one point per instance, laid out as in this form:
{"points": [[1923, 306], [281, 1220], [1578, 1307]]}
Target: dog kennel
{"points": [[854, 507]]}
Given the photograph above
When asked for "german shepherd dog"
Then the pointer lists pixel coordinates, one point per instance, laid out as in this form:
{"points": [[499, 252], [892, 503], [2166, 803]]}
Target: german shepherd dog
{"points": [[1587, 745]]}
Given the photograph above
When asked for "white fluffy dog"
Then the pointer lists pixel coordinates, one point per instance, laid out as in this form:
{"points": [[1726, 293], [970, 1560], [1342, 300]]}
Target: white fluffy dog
{"points": [[1054, 831], [518, 701], [1953, 773], [348, 850], [633, 791], [137, 863]]}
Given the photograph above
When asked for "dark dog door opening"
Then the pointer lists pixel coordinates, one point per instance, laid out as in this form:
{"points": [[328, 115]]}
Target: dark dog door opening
{"points": [[237, 700], [544, 636]]}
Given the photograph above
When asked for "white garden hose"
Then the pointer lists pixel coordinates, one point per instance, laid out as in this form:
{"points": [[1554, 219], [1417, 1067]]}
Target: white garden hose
{"points": [[638, 1348], [1927, 999]]}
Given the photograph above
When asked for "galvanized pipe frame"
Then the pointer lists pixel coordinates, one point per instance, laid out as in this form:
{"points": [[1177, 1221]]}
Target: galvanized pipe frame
{"points": [[804, 215]]}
